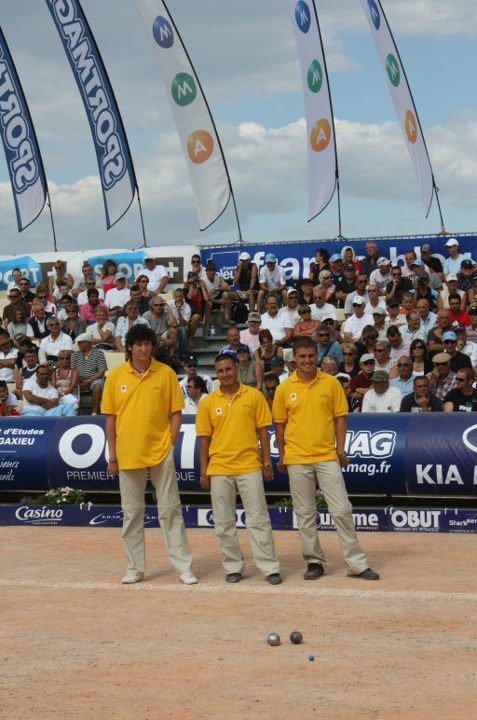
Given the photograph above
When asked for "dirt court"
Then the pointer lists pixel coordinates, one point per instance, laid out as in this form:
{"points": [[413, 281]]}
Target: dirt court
{"points": [[75, 644]]}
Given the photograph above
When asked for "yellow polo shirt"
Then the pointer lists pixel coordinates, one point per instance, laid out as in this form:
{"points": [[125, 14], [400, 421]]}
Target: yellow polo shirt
{"points": [[308, 411], [142, 406], [232, 424]]}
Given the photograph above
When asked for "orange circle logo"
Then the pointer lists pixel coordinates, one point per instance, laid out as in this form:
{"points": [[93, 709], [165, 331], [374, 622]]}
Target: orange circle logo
{"points": [[200, 146], [320, 135], [410, 126]]}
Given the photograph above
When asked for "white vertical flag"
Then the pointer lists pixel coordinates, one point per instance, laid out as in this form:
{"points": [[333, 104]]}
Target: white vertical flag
{"points": [[200, 142], [402, 98], [322, 165]]}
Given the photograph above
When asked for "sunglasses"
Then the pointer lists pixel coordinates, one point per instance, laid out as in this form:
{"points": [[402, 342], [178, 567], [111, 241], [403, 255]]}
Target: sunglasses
{"points": [[53, 324], [459, 379], [403, 365], [159, 305], [397, 274], [368, 362], [348, 354], [321, 334]]}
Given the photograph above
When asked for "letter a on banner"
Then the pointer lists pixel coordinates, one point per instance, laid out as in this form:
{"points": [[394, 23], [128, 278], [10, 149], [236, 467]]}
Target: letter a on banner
{"points": [[200, 143], [115, 164], [402, 98], [322, 164], [25, 165]]}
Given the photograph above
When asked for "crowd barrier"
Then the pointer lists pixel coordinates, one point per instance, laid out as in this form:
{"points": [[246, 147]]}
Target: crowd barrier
{"points": [[390, 454]]}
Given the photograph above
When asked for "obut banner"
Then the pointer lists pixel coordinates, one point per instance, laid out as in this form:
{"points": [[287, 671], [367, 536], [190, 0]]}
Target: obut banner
{"points": [[390, 454]]}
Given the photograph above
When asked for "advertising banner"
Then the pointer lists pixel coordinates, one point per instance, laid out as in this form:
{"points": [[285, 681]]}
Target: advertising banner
{"points": [[390, 454], [295, 257], [25, 166], [200, 143], [321, 144], [406, 112], [110, 142], [390, 519]]}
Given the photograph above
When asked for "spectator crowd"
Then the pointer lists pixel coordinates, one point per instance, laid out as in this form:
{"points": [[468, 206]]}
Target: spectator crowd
{"points": [[398, 338]]}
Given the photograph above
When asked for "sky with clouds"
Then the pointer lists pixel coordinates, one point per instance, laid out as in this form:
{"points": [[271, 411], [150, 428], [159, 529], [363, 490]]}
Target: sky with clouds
{"points": [[245, 55]]}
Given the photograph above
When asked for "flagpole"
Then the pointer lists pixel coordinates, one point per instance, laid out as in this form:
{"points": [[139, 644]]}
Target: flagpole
{"points": [[144, 240], [240, 240], [48, 202], [436, 189]]}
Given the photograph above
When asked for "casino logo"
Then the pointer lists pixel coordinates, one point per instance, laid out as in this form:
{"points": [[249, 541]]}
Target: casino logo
{"points": [[315, 77], [200, 146], [162, 32], [205, 518], [44, 515], [392, 69], [320, 135], [302, 16], [468, 442], [183, 89]]}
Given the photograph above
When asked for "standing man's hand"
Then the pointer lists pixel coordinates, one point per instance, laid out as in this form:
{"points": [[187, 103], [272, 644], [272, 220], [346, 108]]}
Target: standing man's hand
{"points": [[281, 467], [343, 459], [267, 471], [205, 482], [113, 468]]}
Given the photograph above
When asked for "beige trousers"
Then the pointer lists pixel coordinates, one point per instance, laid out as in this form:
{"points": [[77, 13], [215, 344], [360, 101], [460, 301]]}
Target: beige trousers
{"points": [[303, 481], [132, 485], [223, 493]]}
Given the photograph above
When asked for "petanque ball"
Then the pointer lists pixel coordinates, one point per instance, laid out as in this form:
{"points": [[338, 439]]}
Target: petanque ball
{"points": [[273, 639], [296, 637], [311, 658]]}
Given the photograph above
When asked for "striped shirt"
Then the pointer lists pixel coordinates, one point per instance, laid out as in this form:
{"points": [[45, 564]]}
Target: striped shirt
{"points": [[88, 365]]}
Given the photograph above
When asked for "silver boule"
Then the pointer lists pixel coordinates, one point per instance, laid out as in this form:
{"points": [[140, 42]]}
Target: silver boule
{"points": [[273, 639]]}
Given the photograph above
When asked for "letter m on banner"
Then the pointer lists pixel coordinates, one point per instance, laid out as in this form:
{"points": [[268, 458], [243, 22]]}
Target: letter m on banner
{"points": [[22, 153]]}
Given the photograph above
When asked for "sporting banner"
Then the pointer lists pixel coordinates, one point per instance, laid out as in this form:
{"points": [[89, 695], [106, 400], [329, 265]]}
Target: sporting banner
{"points": [[322, 163], [115, 165], [25, 166], [200, 143], [402, 98]]}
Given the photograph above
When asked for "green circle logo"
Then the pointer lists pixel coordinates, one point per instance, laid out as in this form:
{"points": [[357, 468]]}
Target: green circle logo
{"points": [[183, 89], [392, 69], [315, 77]]}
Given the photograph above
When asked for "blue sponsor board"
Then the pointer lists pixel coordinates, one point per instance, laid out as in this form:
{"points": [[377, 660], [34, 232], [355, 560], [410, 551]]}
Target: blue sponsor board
{"points": [[389, 454], [296, 257], [391, 519], [27, 265]]}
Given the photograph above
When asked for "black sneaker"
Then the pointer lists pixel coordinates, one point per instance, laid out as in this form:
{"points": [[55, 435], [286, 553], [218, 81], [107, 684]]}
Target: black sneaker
{"points": [[274, 579], [314, 571], [233, 577], [367, 574]]}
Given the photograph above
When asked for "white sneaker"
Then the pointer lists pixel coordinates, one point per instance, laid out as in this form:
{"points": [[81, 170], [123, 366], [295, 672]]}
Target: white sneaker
{"points": [[132, 577], [188, 578]]}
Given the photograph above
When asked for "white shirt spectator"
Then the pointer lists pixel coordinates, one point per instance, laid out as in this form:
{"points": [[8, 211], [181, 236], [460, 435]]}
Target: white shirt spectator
{"points": [[377, 278], [368, 308], [348, 308], [83, 296], [6, 373], [429, 322], [453, 266], [48, 393], [292, 317], [320, 313], [122, 327], [403, 349], [206, 378], [246, 338], [389, 401], [154, 276], [185, 310], [274, 278], [410, 335], [355, 325], [276, 324], [470, 349], [94, 332], [53, 347], [117, 298]]}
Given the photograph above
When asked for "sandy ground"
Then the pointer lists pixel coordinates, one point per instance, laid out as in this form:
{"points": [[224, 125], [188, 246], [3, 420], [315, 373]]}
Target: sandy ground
{"points": [[76, 644]]}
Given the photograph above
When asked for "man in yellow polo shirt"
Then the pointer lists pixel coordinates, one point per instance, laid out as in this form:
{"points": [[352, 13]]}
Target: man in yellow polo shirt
{"points": [[309, 411], [143, 405], [229, 423]]}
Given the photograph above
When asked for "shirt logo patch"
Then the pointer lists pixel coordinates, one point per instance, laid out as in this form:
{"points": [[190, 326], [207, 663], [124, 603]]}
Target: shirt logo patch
{"points": [[293, 397], [218, 411], [124, 388]]}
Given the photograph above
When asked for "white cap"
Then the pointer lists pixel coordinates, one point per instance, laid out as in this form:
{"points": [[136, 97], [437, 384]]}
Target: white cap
{"points": [[244, 256], [451, 276], [84, 337], [451, 242], [383, 261], [358, 300]]}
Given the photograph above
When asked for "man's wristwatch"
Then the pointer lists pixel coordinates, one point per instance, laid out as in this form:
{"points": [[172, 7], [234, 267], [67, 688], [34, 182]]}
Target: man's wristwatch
{"points": [[267, 465], [341, 454]]}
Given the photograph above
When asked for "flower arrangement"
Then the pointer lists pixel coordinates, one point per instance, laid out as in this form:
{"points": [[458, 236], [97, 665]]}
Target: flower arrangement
{"points": [[57, 496]]}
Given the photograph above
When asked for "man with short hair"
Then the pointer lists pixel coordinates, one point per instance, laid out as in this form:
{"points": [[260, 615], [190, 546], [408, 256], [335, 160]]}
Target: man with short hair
{"points": [[40, 398], [382, 397], [465, 275], [291, 312], [347, 285], [180, 314], [398, 284], [457, 359], [408, 270], [404, 381], [309, 411], [428, 319], [420, 400], [413, 330], [230, 422], [374, 301], [8, 356], [398, 345], [394, 317], [88, 309], [370, 262], [216, 292], [16, 303], [233, 339], [159, 319], [320, 308], [190, 365], [274, 320], [25, 288], [434, 337], [143, 407], [89, 283], [361, 382], [433, 264], [124, 324], [463, 398], [361, 292], [156, 274], [326, 347], [54, 342], [271, 280], [353, 326], [91, 366], [456, 313], [466, 346]]}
